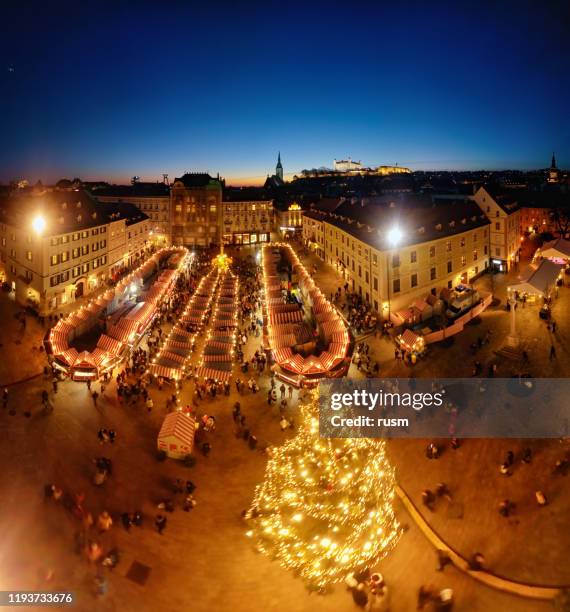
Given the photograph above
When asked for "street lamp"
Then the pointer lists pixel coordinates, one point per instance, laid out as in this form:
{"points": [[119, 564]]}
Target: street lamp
{"points": [[394, 237], [39, 224]]}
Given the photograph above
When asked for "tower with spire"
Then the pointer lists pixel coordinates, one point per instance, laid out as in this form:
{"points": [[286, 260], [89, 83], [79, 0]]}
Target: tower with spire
{"points": [[279, 167], [553, 171]]}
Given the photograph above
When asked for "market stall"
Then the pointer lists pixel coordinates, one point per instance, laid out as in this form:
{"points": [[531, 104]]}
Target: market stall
{"points": [[176, 436]]}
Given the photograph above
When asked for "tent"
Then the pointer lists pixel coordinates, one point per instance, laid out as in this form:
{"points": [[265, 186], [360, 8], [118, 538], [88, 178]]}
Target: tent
{"points": [[176, 436], [556, 249], [540, 279]]}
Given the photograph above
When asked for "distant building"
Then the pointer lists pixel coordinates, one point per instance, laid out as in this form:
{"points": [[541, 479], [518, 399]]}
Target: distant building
{"points": [[275, 181], [289, 218], [60, 245], [196, 210], [347, 165], [247, 219], [386, 170], [504, 213], [151, 198], [553, 172]]}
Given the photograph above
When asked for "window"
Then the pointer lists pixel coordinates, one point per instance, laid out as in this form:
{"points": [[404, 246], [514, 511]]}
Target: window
{"points": [[475, 255], [104, 260], [53, 260], [53, 281], [498, 226], [374, 259], [53, 241], [462, 243], [95, 264], [375, 282], [449, 267], [366, 277], [76, 236], [395, 260], [85, 268], [498, 251], [432, 251], [85, 249], [463, 260], [432, 273], [85, 234], [29, 256], [496, 213], [359, 271], [485, 249], [75, 252], [76, 271], [13, 253], [448, 246], [414, 280], [413, 256], [450, 284], [396, 285], [102, 230]]}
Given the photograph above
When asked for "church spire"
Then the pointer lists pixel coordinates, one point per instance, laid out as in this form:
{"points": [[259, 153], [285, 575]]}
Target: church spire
{"points": [[553, 162], [279, 167]]}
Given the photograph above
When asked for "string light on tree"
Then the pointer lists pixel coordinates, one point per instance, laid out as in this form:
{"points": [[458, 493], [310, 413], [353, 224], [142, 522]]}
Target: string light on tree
{"points": [[325, 509]]}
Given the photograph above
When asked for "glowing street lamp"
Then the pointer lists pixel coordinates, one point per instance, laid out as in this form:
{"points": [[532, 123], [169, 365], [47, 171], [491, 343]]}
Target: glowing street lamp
{"points": [[39, 224], [394, 238]]}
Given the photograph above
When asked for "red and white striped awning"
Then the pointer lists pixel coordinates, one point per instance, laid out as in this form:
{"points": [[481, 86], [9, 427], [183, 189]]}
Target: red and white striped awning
{"points": [[100, 356], [172, 357], [124, 331], [409, 338], [227, 358], [214, 347], [68, 356], [209, 373], [180, 425], [159, 370], [110, 345], [85, 360], [282, 354], [294, 364]]}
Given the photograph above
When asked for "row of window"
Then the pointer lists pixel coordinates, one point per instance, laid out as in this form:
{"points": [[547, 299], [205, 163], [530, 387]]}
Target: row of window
{"points": [[77, 236], [76, 252], [63, 277]]}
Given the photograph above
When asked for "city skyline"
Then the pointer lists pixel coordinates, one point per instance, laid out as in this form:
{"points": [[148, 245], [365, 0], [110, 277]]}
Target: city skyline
{"points": [[440, 89]]}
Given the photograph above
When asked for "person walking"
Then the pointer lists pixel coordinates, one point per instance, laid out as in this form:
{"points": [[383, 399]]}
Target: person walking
{"points": [[290, 392], [149, 404], [282, 389], [160, 523]]}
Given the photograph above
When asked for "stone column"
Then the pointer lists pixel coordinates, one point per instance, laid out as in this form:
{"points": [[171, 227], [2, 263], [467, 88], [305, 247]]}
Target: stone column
{"points": [[513, 339]]}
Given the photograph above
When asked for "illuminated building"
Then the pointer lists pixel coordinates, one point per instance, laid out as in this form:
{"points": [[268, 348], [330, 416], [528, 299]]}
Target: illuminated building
{"points": [[503, 213], [439, 247], [153, 199], [196, 210], [60, 245]]}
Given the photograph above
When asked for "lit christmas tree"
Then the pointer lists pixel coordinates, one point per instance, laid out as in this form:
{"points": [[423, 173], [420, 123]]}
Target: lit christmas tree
{"points": [[324, 509]]}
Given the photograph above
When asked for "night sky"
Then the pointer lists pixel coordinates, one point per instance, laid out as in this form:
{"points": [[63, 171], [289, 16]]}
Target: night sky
{"points": [[172, 86]]}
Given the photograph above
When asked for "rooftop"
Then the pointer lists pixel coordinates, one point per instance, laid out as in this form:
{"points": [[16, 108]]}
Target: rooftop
{"points": [[64, 211], [136, 190], [418, 219]]}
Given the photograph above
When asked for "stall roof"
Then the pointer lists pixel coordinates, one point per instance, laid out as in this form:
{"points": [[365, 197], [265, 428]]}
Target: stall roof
{"points": [[539, 280], [556, 248]]}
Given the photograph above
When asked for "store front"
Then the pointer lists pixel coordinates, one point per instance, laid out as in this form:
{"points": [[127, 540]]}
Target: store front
{"points": [[247, 238]]}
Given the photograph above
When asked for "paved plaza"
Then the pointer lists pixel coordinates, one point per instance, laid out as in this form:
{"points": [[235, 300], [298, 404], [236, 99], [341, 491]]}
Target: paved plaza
{"points": [[203, 561]]}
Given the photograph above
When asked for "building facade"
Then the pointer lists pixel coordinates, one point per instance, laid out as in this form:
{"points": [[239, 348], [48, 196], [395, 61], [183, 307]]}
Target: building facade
{"points": [[196, 210], [289, 219], [153, 199], [247, 221], [504, 214], [62, 245], [440, 247]]}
